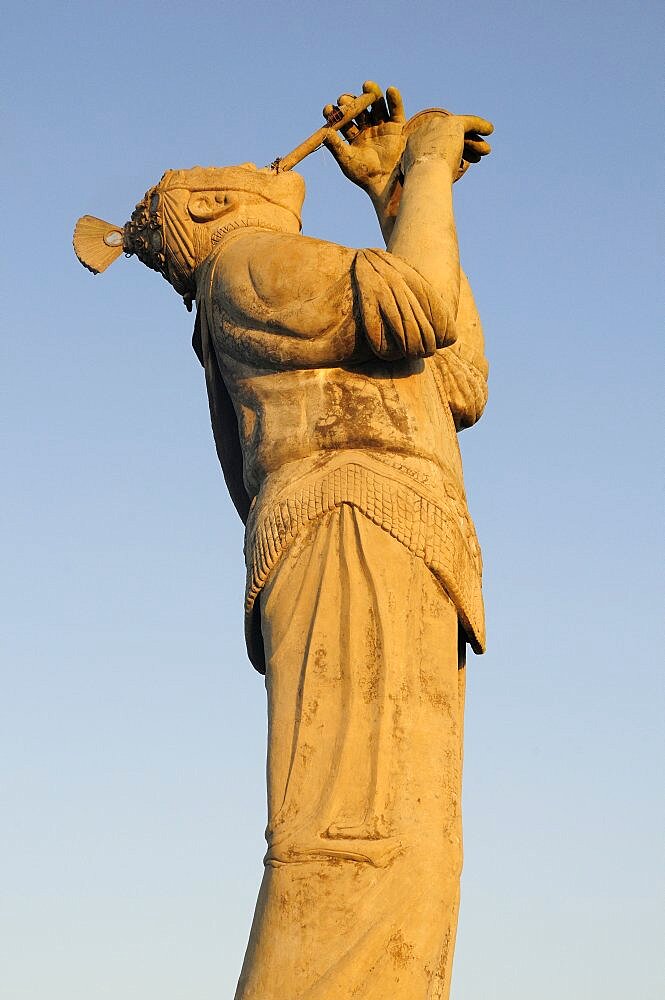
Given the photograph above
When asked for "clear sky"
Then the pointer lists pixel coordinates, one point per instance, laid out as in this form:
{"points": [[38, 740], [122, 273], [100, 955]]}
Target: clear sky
{"points": [[132, 728]]}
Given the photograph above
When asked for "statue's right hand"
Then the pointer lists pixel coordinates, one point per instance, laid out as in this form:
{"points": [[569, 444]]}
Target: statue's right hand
{"points": [[370, 152]]}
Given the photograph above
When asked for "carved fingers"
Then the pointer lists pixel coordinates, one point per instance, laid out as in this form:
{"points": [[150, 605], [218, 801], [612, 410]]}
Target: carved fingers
{"points": [[378, 113], [395, 105], [474, 146], [372, 143], [343, 153]]}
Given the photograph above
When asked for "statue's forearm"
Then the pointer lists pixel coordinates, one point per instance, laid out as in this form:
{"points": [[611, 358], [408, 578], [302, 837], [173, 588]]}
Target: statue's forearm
{"points": [[424, 233], [386, 212]]}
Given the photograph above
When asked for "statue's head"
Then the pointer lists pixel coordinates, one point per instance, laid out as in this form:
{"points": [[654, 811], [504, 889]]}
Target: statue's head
{"points": [[178, 222]]}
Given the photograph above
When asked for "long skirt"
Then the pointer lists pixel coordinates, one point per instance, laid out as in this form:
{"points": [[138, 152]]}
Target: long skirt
{"points": [[365, 680]]}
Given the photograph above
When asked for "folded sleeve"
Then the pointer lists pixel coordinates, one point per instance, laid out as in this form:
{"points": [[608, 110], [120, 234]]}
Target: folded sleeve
{"points": [[463, 367], [401, 314]]}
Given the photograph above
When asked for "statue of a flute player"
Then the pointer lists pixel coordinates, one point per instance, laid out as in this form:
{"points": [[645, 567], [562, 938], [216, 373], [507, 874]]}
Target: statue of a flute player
{"points": [[337, 380]]}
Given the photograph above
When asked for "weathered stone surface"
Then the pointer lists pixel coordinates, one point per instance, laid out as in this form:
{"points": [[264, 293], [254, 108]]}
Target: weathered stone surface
{"points": [[337, 381]]}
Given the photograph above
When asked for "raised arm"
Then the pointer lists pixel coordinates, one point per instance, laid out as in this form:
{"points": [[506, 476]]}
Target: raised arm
{"points": [[409, 181], [424, 233], [285, 301]]}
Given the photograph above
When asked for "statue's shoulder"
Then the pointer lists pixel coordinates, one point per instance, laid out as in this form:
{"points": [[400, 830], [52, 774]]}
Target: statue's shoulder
{"points": [[278, 267], [249, 243]]}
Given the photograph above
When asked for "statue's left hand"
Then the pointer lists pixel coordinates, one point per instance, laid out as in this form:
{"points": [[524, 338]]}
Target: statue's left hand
{"points": [[369, 155]]}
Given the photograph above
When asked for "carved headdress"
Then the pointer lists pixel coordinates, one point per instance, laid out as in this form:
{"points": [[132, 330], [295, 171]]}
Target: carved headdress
{"points": [[169, 229]]}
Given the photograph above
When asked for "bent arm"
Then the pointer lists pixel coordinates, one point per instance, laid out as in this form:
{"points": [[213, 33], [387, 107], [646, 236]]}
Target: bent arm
{"points": [[424, 233]]}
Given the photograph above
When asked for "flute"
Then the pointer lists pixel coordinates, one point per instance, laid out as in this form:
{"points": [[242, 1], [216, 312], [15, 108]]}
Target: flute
{"points": [[337, 120]]}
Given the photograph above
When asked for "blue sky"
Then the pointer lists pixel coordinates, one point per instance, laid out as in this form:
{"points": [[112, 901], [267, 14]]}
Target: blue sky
{"points": [[132, 728]]}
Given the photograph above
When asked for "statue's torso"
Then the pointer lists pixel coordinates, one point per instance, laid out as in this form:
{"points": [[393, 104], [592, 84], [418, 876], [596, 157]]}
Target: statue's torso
{"points": [[277, 324], [323, 421], [392, 412]]}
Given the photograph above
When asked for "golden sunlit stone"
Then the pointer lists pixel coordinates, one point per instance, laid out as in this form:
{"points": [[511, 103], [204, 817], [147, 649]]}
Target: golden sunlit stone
{"points": [[337, 381]]}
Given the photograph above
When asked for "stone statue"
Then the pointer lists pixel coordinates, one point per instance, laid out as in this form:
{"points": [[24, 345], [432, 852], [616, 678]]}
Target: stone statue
{"points": [[337, 380]]}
